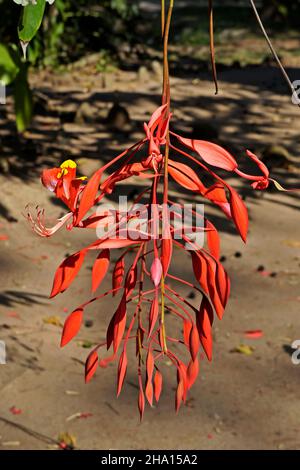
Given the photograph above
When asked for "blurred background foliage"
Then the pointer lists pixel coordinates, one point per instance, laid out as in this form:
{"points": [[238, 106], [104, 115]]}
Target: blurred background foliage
{"points": [[120, 31]]}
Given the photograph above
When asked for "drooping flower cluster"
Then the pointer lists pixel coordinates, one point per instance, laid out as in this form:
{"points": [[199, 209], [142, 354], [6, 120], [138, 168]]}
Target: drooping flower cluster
{"points": [[142, 278]]}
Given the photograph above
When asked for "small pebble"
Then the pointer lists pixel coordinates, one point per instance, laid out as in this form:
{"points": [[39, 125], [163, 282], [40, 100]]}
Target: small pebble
{"points": [[260, 268], [238, 254], [191, 295], [222, 259], [273, 274], [88, 323]]}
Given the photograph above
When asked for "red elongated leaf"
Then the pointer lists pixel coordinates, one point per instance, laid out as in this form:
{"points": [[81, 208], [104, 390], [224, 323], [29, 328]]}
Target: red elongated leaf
{"points": [[71, 326], [122, 368], [216, 193], [119, 324], [91, 365], [192, 372], [194, 342], [130, 281], [187, 327], [100, 268], [157, 382], [182, 376], [239, 213], [200, 269], [211, 153], [149, 392], [161, 338], [223, 286], [114, 329], [118, 274], [89, 195], [204, 322], [141, 403], [214, 285], [150, 365], [113, 243], [119, 329], [140, 332], [153, 314], [157, 116], [179, 395], [185, 176], [213, 239], [166, 253], [66, 272]]}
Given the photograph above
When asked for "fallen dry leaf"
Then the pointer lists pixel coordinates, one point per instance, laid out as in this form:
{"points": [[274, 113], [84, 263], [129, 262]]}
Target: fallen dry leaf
{"points": [[66, 440], [11, 443], [79, 415], [72, 392], [243, 349], [53, 320], [292, 243]]}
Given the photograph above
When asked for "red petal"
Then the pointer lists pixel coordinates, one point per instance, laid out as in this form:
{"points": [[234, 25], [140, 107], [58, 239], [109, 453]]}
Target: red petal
{"points": [[100, 269], [72, 326]]}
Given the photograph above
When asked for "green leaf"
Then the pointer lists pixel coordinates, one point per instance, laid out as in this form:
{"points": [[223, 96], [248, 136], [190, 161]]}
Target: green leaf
{"points": [[23, 100], [8, 66], [31, 20]]}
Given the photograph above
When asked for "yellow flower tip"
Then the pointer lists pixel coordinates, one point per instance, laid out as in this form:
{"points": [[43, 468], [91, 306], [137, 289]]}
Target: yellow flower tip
{"points": [[83, 178], [68, 164]]}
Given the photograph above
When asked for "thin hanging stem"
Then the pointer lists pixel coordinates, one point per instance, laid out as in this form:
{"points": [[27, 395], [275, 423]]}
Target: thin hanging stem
{"points": [[166, 100], [212, 44], [163, 17], [274, 53]]}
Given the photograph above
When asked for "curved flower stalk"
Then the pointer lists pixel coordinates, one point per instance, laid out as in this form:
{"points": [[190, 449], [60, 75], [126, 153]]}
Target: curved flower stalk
{"points": [[142, 279]]}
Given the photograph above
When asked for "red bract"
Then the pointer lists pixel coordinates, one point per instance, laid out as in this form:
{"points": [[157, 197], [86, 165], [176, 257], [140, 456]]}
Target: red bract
{"points": [[142, 305]]}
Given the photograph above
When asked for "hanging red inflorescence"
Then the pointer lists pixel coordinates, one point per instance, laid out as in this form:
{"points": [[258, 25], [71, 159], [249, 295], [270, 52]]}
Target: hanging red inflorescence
{"points": [[141, 277]]}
